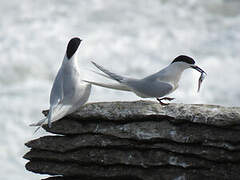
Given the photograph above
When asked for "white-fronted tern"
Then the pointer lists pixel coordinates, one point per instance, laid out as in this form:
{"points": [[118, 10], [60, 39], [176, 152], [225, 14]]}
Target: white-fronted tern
{"points": [[156, 85], [68, 92]]}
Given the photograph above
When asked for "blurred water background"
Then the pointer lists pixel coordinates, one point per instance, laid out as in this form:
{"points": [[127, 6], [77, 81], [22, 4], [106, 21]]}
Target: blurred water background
{"points": [[133, 38]]}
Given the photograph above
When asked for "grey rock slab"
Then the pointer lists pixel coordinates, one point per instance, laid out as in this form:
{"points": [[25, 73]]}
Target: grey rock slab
{"points": [[143, 158], [73, 143], [196, 113], [126, 172], [153, 131]]}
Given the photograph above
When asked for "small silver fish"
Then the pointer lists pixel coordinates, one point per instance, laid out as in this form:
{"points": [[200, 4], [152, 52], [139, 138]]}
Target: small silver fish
{"points": [[200, 80]]}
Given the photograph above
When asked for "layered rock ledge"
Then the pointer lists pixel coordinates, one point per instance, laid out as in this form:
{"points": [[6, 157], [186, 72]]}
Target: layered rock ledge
{"points": [[140, 140]]}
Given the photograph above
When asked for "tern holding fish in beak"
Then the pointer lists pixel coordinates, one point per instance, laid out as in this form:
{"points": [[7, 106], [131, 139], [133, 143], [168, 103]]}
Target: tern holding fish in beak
{"points": [[68, 92], [157, 85]]}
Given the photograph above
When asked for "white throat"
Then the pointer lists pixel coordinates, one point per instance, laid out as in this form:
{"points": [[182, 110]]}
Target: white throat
{"points": [[70, 65]]}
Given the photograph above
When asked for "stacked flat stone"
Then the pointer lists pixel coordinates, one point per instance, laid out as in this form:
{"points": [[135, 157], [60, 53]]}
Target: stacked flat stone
{"points": [[140, 140]]}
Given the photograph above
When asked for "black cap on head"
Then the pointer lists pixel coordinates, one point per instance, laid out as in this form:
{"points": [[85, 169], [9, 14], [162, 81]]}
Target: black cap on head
{"points": [[183, 58], [72, 46]]}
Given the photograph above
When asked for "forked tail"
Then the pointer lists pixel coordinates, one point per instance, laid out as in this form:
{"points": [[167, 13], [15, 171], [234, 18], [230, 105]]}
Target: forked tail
{"points": [[39, 124], [112, 75], [42, 121]]}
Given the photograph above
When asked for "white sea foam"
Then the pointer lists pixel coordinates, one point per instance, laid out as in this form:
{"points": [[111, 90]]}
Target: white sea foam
{"points": [[134, 38]]}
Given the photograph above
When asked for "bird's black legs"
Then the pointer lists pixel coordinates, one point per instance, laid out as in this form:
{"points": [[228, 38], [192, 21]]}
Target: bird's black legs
{"points": [[165, 98]]}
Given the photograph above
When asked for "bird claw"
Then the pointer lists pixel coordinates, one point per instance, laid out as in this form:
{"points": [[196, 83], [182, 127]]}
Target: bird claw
{"points": [[165, 98]]}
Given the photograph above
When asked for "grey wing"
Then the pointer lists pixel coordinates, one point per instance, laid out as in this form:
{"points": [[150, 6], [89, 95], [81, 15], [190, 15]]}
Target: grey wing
{"points": [[150, 88], [57, 89]]}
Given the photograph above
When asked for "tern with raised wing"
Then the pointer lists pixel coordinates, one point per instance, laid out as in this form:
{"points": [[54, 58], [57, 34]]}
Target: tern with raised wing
{"points": [[157, 85]]}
